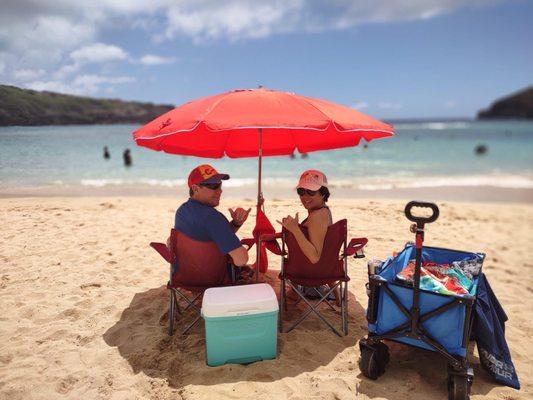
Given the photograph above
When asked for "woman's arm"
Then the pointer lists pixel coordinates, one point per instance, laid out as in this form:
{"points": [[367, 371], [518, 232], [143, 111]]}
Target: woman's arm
{"points": [[317, 227]]}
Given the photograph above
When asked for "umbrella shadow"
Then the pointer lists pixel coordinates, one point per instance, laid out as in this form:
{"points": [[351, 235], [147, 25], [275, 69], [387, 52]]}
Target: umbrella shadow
{"points": [[141, 338], [417, 373]]}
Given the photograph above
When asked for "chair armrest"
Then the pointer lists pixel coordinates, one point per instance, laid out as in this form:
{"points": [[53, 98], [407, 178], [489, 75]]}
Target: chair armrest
{"points": [[266, 237], [249, 242], [355, 247], [271, 242], [163, 250]]}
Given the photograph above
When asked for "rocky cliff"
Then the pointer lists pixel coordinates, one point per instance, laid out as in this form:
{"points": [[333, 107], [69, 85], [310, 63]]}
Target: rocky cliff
{"points": [[29, 107], [517, 105]]}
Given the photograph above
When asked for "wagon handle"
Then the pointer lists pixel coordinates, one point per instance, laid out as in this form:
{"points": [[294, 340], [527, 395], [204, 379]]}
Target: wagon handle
{"points": [[420, 221], [418, 229]]}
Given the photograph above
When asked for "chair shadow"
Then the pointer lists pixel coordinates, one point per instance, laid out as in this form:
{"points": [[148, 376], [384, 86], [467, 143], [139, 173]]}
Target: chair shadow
{"points": [[419, 374], [144, 342]]}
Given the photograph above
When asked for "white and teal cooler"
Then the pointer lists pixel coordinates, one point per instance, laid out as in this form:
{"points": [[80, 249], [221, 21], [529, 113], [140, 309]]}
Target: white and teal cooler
{"points": [[240, 324]]}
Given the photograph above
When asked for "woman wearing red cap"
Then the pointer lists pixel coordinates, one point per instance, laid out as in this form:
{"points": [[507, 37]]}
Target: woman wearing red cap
{"points": [[313, 191]]}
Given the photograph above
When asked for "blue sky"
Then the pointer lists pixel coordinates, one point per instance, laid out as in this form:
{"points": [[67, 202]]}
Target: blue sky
{"points": [[391, 59]]}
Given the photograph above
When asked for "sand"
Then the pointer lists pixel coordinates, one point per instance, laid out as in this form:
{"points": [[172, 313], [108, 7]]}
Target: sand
{"points": [[82, 297]]}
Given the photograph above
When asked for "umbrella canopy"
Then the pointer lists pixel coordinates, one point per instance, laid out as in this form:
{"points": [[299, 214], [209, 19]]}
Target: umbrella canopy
{"points": [[241, 122]]}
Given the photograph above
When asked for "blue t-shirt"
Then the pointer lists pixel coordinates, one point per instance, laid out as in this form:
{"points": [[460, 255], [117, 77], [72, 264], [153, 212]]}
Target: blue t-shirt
{"points": [[204, 223]]}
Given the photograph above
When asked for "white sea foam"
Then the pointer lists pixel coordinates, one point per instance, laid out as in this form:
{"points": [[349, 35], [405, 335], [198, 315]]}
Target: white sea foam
{"points": [[377, 183], [499, 181], [437, 126], [102, 182], [239, 182], [163, 182]]}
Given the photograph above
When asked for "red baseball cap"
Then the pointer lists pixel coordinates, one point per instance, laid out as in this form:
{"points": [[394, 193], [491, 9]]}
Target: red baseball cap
{"points": [[312, 179], [205, 174]]}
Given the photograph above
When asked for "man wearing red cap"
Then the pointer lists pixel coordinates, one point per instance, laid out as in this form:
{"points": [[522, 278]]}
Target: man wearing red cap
{"points": [[198, 218]]}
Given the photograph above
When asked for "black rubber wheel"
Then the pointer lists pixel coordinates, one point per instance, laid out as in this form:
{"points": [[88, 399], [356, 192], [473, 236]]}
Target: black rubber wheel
{"points": [[458, 387], [374, 359]]}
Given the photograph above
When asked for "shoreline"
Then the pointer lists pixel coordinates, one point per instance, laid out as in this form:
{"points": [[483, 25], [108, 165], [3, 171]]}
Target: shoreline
{"points": [[474, 194]]}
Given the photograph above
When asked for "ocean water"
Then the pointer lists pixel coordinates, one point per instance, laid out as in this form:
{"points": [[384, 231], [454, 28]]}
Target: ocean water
{"points": [[422, 154]]}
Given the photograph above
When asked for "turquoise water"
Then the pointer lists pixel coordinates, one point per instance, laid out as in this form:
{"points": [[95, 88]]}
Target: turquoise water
{"points": [[421, 154]]}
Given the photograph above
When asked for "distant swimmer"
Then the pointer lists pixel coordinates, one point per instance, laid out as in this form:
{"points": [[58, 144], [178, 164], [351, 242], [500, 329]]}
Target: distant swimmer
{"points": [[127, 158], [107, 156], [481, 149]]}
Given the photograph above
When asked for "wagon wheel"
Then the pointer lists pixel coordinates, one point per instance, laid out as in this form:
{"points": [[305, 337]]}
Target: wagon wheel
{"points": [[458, 387], [373, 360]]}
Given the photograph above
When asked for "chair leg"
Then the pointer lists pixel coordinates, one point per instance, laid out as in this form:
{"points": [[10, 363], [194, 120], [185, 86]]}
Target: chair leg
{"points": [[285, 295], [171, 311], [174, 308], [178, 308], [345, 308], [184, 331], [313, 308], [282, 305]]}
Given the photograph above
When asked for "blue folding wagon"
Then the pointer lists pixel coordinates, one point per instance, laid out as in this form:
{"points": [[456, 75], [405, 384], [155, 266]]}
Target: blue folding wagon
{"points": [[417, 317]]}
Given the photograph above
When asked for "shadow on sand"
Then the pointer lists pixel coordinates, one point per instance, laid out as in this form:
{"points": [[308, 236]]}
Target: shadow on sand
{"points": [[418, 374], [143, 341]]}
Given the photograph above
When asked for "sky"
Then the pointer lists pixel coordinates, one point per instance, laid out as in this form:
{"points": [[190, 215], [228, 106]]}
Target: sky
{"points": [[392, 59]]}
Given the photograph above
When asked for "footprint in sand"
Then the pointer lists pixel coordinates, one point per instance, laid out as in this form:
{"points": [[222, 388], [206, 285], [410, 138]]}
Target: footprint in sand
{"points": [[6, 359], [65, 385], [3, 281], [90, 286], [71, 313], [83, 340]]}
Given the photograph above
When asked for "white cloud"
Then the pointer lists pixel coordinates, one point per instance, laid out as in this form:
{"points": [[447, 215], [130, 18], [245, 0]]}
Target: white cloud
{"points": [[232, 20], [28, 74], [82, 84], [359, 105], [64, 36], [98, 53], [151, 59], [91, 83], [42, 41], [66, 70]]}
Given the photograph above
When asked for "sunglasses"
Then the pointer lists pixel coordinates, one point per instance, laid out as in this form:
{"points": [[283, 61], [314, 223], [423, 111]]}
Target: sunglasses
{"points": [[302, 191], [211, 186]]}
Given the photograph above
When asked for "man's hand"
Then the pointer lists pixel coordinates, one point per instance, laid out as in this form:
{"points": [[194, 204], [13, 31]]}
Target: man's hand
{"points": [[290, 223], [239, 215]]}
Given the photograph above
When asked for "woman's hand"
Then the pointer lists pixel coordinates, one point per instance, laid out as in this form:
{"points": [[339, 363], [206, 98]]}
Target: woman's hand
{"points": [[290, 223]]}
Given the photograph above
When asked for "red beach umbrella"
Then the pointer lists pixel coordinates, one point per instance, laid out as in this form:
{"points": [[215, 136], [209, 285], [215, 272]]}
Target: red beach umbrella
{"points": [[256, 123]]}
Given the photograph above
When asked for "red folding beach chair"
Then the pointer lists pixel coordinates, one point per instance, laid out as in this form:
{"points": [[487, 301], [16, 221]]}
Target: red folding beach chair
{"points": [[331, 269], [194, 266]]}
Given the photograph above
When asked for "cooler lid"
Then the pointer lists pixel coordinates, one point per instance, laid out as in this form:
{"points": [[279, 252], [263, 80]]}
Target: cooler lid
{"points": [[239, 300]]}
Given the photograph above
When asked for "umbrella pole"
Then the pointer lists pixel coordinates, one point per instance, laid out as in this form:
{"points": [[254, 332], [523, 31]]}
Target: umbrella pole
{"points": [[260, 201]]}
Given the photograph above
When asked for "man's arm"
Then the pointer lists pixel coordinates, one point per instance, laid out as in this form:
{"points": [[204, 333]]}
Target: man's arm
{"points": [[221, 232], [234, 226], [239, 256]]}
